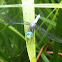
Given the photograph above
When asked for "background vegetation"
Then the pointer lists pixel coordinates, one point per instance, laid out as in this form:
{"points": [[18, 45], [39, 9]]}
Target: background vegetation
{"points": [[12, 42]]}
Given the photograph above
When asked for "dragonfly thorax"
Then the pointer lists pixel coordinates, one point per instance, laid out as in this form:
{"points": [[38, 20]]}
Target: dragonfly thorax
{"points": [[29, 34], [32, 25]]}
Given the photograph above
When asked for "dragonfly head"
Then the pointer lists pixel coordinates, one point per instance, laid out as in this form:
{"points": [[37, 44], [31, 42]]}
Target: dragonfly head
{"points": [[29, 34]]}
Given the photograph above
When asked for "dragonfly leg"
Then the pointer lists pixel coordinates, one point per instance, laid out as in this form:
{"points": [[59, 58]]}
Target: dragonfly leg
{"points": [[27, 40], [32, 39], [32, 30], [29, 29]]}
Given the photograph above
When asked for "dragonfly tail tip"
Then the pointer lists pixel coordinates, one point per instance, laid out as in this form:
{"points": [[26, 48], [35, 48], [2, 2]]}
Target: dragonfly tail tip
{"points": [[39, 15]]}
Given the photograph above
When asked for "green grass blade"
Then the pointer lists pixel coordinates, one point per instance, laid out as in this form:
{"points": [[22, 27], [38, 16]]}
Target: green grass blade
{"points": [[28, 15], [13, 29]]}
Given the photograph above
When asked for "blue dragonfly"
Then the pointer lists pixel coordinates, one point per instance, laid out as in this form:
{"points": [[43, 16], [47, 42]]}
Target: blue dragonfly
{"points": [[32, 26]]}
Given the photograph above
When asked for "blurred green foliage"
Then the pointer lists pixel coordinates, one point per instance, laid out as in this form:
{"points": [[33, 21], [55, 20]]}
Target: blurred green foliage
{"points": [[12, 45]]}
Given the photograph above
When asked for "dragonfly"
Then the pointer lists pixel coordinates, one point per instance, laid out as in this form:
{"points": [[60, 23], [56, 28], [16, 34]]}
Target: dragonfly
{"points": [[32, 26]]}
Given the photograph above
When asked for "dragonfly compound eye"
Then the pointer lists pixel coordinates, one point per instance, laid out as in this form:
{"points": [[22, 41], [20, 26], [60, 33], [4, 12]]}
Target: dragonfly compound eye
{"points": [[29, 34]]}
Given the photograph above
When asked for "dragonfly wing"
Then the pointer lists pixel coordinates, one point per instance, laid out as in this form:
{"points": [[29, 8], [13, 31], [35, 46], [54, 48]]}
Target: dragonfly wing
{"points": [[14, 23], [49, 35], [12, 20]]}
